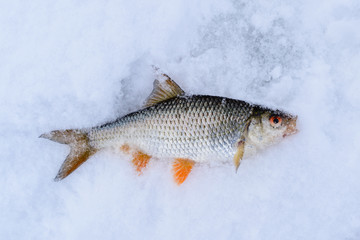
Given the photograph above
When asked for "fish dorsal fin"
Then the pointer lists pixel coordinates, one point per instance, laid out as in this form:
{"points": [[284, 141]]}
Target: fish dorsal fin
{"points": [[163, 91]]}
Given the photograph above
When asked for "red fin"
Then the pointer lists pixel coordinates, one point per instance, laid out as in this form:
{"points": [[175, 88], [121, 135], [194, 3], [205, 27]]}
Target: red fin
{"points": [[182, 167], [140, 161]]}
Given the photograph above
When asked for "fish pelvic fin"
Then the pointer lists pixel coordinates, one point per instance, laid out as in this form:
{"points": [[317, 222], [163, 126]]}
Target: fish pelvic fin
{"points": [[181, 169], [80, 150]]}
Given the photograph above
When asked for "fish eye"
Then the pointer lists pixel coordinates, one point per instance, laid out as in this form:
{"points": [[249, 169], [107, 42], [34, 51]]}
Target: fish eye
{"points": [[275, 121]]}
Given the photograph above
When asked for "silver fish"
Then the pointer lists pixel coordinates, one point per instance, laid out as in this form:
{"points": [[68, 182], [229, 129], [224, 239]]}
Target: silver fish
{"points": [[186, 129]]}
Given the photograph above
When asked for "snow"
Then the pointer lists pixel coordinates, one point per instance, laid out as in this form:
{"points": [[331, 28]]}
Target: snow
{"points": [[74, 64]]}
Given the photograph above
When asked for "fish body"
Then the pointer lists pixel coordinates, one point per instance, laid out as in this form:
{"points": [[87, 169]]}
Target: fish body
{"points": [[190, 129], [195, 127]]}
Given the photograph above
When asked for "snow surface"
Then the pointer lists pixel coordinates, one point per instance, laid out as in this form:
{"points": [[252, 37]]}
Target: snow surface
{"points": [[74, 64]]}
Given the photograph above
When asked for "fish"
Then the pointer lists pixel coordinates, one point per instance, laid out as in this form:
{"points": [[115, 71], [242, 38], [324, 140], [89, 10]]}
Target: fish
{"points": [[181, 128]]}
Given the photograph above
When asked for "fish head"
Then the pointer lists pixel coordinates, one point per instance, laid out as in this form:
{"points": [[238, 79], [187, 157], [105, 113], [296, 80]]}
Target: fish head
{"points": [[267, 127]]}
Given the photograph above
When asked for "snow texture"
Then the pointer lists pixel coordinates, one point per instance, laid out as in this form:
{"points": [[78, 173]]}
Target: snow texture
{"points": [[73, 64]]}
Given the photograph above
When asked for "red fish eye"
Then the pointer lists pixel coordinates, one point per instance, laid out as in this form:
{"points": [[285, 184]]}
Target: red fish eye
{"points": [[275, 121]]}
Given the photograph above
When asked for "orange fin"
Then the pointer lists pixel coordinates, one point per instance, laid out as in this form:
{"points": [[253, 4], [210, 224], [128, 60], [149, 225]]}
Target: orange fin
{"points": [[140, 161], [182, 167]]}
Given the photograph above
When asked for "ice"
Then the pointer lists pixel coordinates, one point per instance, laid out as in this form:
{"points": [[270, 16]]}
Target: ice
{"points": [[74, 64]]}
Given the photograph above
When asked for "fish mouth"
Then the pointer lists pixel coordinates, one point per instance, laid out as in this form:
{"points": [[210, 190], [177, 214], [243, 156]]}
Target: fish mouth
{"points": [[291, 127]]}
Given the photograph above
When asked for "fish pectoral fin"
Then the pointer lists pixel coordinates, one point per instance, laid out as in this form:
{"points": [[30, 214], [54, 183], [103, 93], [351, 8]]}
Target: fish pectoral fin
{"points": [[163, 91], [181, 168], [140, 161], [239, 154]]}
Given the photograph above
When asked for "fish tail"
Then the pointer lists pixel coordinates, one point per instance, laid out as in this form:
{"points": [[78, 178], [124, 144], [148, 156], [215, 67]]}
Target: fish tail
{"points": [[80, 150]]}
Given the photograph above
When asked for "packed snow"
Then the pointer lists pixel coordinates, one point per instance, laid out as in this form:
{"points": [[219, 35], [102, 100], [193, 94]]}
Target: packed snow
{"points": [[75, 64]]}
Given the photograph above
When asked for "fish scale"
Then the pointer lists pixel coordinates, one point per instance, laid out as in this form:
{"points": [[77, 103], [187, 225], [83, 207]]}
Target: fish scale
{"points": [[193, 127]]}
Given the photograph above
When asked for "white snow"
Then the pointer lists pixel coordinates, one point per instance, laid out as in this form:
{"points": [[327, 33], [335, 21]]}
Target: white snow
{"points": [[73, 64]]}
